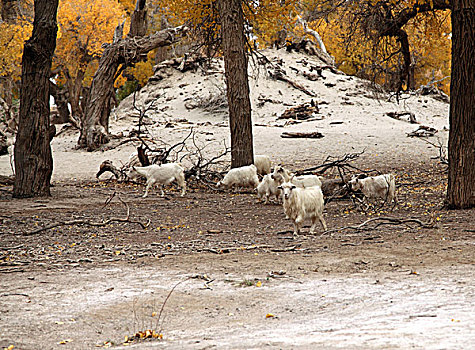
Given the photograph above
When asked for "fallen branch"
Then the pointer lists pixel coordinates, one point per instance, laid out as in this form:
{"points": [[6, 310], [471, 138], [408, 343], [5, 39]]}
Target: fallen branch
{"points": [[229, 249], [443, 158], [303, 111], [411, 118], [108, 166], [384, 220], [279, 74], [7, 180], [308, 135], [91, 223], [423, 131]]}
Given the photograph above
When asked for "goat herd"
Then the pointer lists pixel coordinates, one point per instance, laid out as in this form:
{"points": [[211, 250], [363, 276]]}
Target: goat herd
{"points": [[301, 196]]}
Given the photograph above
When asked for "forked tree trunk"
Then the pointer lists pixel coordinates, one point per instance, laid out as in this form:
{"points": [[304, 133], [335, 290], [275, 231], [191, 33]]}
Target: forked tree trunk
{"points": [[95, 128], [33, 159], [461, 186], [237, 83]]}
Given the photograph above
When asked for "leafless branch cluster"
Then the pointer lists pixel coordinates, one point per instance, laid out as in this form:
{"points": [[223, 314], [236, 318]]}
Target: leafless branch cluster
{"points": [[341, 164], [442, 157]]}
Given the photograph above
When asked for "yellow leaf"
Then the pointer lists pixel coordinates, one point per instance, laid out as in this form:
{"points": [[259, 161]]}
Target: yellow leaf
{"points": [[270, 315], [258, 284]]}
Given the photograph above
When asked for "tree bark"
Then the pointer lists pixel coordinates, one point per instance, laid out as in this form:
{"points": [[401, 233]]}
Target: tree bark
{"points": [[138, 22], [237, 84], [461, 184], [95, 126], [33, 158]]}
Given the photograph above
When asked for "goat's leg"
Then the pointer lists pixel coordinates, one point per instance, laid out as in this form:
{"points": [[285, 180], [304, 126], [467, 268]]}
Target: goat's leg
{"points": [[322, 221], [297, 224], [162, 194], [314, 224], [149, 184], [182, 184]]}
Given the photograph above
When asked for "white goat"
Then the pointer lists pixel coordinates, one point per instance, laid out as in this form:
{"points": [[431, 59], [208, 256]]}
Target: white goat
{"points": [[381, 186], [282, 175], [263, 164], [245, 176], [267, 188], [303, 203], [162, 175]]}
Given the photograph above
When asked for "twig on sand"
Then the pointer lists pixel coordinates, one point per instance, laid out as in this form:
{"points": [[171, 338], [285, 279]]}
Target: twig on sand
{"points": [[384, 220], [92, 223]]}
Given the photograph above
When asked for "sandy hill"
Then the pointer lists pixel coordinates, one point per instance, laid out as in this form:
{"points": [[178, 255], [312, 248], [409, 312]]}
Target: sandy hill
{"points": [[351, 116]]}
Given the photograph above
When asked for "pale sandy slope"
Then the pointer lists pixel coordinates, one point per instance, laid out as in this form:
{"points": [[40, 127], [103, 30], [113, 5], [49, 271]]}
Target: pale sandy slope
{"points": [[344, 99]]}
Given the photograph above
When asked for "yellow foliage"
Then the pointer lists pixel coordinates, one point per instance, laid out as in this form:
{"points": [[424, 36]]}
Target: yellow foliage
{"points": [[430, 45], [84, 25], [12, 39]]}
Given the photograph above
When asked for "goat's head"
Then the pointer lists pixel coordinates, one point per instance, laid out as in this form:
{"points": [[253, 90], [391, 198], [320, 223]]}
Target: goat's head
{"points": [[354, 184], [287, 188], [278, 174]]}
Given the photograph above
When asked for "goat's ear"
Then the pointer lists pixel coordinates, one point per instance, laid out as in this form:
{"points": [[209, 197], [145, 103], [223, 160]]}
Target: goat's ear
{"points": [[294, 187], [280, 187]]}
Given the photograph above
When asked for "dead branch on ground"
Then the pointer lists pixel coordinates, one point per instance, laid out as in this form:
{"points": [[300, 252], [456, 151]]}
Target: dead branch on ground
{"points": [[423, 131], [108, 166], [92, 223], [207, 170], [7, 180], [384, 220], [443, 158], [303, 111], [411, 117], [278, 73], [308, 135]]}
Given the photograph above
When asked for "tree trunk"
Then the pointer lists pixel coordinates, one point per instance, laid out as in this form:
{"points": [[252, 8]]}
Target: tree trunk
{"points": [[95, 126], [461, 186], [33, 159], [138, 22], [237, 84]]}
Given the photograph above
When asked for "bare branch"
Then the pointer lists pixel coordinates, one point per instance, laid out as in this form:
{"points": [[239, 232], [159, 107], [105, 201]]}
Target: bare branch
{"points": [[92, 223]]}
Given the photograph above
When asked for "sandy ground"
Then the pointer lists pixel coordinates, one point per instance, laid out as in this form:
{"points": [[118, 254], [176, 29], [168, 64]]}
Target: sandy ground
{"points": [[393, 287]]}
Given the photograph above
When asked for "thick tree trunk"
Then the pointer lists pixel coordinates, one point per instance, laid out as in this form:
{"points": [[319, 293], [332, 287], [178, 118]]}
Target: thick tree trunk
{"points": [[461, 186], [237, 84], [95, 126], [33, 159]]}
